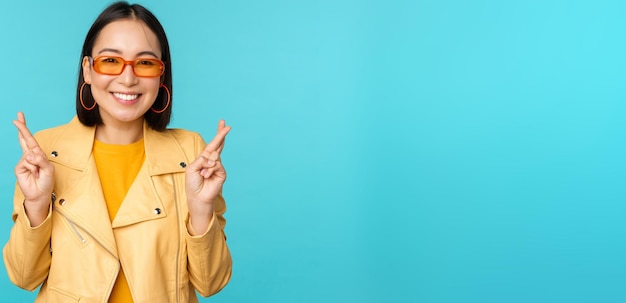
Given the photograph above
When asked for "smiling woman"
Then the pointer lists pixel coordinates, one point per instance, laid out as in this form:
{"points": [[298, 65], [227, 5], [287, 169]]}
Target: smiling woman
{"points": [[113, 206], [123, 97]]}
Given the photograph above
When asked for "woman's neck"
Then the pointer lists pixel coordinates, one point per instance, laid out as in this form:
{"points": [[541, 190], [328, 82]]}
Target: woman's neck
{"points": [[120, 133]]}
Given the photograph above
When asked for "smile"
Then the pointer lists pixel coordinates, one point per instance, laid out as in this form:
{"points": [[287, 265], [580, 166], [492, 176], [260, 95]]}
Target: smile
{"points": [[125, 97]]}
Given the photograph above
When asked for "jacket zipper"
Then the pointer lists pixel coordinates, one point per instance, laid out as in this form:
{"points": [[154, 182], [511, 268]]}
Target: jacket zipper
{"points": [[73, 225], [82, 239], [179, 231]]}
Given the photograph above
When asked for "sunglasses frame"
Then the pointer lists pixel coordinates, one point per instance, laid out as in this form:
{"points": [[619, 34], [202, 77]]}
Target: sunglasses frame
{"points": [[92, 60]]}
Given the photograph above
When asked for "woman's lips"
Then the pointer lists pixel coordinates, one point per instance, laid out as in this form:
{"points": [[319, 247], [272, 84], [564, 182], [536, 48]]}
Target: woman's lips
{"points": [[126, 98]]}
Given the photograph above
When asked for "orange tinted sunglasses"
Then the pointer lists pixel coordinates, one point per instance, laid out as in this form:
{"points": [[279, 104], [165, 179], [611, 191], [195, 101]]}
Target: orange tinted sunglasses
{"points": [[142, 67]]}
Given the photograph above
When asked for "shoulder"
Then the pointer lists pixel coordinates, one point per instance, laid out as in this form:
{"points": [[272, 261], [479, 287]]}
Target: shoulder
{"points": [[190, 141], [182, 133], [49, 136], [184, 136], [51, 132]]}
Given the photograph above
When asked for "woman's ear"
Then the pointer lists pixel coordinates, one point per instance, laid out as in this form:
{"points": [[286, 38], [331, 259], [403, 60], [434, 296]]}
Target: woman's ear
{"points": [[87, 69]]}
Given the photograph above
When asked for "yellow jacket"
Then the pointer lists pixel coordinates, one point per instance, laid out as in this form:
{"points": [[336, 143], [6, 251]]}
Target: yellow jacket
{"points": [[77, 251]]}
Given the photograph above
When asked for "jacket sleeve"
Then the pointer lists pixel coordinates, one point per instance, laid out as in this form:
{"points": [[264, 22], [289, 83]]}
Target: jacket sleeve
{"points": [[209, 260], [27, 253]]}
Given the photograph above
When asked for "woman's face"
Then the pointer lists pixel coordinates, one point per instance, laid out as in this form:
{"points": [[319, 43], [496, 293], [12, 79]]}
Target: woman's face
{"points": [[123, 98]]}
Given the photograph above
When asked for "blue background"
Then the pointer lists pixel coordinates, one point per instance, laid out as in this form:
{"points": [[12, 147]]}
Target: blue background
{"points": [[382, 151]]}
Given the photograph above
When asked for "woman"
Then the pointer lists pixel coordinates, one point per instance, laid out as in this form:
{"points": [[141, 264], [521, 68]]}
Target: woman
{"points": [[113, 206]]}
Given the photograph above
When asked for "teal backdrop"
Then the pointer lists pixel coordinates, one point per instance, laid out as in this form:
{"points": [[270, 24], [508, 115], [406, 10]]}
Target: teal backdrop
{"points": [[381, 151]]}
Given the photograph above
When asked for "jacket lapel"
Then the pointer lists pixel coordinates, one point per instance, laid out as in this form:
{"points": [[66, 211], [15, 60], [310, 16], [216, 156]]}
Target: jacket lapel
{"points": [[77, 185], [81, 191], [144, 200]]}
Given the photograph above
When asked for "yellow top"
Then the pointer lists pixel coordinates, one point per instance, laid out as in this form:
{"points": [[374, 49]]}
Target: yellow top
{"points": [[118, 166]]}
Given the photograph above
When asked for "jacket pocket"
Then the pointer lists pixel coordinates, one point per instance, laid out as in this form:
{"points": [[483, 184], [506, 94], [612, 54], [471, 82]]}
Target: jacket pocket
{"points": [[61, 296]]}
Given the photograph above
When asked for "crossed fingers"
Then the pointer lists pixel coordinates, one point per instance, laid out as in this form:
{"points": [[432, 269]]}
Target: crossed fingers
{"points": [[27, 141], [33, 158], [211, 153], [217, 144]]}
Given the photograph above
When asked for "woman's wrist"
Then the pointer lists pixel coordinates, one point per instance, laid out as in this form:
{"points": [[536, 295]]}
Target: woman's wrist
{"points": [[36, 211], [200, 215], [200, 208]]}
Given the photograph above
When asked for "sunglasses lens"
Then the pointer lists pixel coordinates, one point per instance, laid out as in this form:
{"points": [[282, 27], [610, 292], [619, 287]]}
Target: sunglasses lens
{"points": [[115, 65], [108, 65], [148, 67]]}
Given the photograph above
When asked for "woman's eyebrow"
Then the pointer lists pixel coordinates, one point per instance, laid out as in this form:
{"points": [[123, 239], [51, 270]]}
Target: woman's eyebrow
{"points": [[147, 53], [119, 52], [109, 50]]}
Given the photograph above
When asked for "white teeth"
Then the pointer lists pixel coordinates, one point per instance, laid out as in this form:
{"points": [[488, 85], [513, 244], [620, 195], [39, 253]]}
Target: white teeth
{"points": [[125, 97]]}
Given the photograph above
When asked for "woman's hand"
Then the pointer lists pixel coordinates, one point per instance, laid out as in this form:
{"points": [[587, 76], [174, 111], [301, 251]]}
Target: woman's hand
{"points": [[204, 178], [35, 174]]}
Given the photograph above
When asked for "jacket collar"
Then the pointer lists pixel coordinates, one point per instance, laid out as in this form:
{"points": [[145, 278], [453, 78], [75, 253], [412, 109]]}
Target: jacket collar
{"points": [[72, 147], [163, 153]]}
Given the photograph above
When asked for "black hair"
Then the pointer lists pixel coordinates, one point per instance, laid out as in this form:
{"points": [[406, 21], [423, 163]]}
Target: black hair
{"points": [[119, 11]]}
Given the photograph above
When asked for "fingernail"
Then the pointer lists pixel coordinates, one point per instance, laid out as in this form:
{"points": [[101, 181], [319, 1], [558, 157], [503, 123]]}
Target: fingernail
{"points": [[211, 162]]}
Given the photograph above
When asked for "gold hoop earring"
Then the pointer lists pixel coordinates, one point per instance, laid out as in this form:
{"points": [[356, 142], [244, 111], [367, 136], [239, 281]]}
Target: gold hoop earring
{"points": [[169, 98], [80, 96]]}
